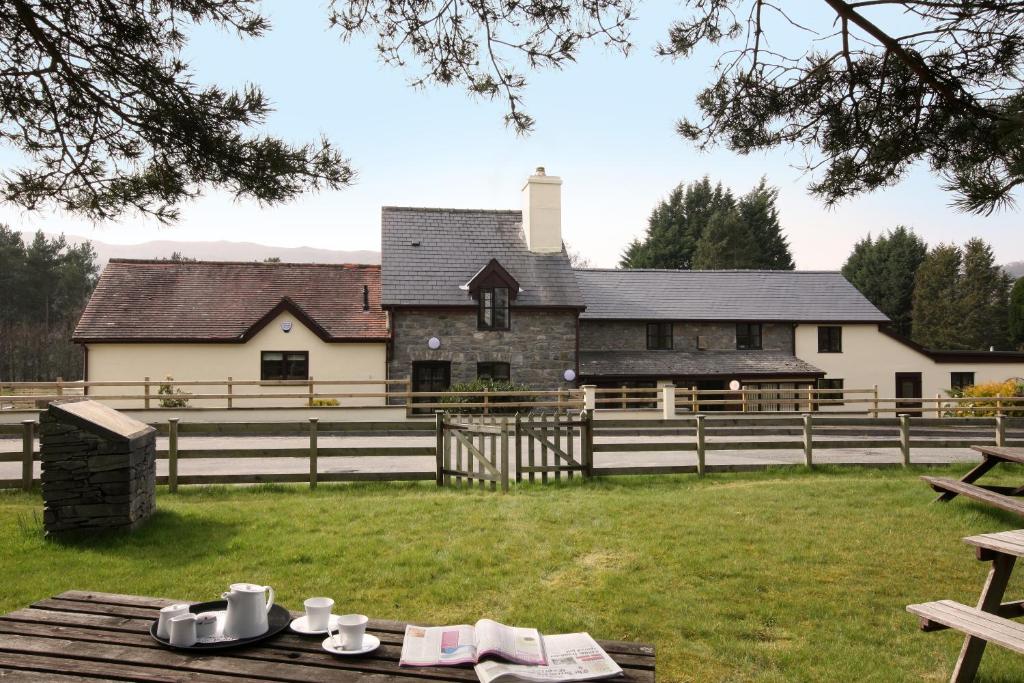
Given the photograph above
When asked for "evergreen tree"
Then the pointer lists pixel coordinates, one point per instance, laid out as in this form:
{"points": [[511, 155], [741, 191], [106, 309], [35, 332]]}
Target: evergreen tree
{"points": [[984, 298], [727, 242], [883, 270], [757, 209], [938, 319], [1016, 316], [677, 225]]}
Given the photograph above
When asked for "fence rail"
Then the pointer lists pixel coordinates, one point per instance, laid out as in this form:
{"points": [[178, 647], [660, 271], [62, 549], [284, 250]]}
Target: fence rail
{"points": [[475, 450]]}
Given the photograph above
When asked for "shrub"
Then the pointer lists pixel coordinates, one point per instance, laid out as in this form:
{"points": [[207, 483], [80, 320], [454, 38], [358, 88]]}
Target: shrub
{"points": [[493, 402], [984, 403], [173, 398], [325, 402]]}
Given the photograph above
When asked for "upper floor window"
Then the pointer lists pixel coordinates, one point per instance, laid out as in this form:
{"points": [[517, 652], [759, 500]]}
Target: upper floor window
{"points": [[961, 380], [748, 336], [284, 365], [830, 339], [494, 370], [494, 310], [659, 336]]}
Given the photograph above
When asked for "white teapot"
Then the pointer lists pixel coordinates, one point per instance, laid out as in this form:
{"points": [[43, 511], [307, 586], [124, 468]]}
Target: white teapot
{"points": [[247, 610]]}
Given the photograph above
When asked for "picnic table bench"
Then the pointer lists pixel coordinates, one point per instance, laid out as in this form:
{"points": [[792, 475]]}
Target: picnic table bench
{"points": [[1002, 497], [89, 636], [990, 621]]}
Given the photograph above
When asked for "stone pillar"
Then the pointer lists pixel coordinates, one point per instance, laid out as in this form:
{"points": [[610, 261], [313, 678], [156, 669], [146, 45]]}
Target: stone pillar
{"points": [[98, 468], [668, 402]]}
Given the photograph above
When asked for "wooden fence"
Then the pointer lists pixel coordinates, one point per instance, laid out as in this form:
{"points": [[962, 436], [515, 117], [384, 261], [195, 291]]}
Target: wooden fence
{"points": [[476, 451]]}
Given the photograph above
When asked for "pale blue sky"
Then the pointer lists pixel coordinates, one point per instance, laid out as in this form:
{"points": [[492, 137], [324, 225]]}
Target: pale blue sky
{"points": [[605, 125]]}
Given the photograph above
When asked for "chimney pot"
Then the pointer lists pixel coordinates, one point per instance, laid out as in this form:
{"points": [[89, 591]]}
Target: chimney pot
{"points": [[539, 171]]}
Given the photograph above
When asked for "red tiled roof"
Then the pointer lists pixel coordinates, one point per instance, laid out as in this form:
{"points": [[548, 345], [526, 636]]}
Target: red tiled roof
{"points": [[218, 301]]}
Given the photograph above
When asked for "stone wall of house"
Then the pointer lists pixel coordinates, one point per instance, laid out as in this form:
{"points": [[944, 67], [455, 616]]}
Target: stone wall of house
{"points": [[629, 335], [92, 481], [539, 347]]}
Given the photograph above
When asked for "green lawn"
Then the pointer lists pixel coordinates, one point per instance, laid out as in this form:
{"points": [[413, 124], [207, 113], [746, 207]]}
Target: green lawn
{"points": [[762, 577]]}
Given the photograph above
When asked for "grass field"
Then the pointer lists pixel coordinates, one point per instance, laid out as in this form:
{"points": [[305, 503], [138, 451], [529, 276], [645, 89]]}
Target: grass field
{"points": [[784, 576]]}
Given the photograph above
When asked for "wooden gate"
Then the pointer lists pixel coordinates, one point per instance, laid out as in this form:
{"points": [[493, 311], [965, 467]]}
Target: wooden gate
{"points": [[548, 444], [475, 450]]}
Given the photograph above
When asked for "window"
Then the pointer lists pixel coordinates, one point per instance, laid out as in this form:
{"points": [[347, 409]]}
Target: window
{"points": [[494, 370], [961, 380], [659, 336], [494, 311], [748, 336], [833, 398], [830, 339], [284, 365]]}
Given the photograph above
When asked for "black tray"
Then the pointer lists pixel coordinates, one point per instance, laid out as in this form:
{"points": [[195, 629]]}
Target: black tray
{"points": [[278, 617]]}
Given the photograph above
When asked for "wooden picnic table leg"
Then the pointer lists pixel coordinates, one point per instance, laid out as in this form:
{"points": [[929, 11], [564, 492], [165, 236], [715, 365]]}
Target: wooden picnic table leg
{"points": [[984, 466], [990, 600]]}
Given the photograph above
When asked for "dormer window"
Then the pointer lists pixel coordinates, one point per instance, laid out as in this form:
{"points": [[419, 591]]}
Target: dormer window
{"points": [[494, 309], [494, 288]]}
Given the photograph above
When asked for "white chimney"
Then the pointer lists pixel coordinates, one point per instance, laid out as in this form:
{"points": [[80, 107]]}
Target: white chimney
{"points": [[542, 213]]}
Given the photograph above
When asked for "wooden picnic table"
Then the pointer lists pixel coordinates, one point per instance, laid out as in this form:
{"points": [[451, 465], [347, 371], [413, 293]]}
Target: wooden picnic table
{"points": [[991, 621], [89, 636], [1002, 497]]}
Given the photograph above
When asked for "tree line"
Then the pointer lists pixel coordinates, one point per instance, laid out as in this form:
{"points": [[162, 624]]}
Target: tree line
{"points": [[944, 297], [44, 286]]}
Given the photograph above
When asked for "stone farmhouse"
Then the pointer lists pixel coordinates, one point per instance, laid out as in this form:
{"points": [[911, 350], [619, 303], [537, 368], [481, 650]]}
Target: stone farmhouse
{"points": [[466, 294]]}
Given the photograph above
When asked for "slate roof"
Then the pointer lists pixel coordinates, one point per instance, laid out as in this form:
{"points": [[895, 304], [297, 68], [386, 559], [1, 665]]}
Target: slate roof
{"points": [[756, 295], [692, 363], [453, 245], [213, 301]]}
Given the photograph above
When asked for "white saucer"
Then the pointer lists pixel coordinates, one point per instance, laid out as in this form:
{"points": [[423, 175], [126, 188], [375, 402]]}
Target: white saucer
{"points": [[370, 643], [301, 625]]}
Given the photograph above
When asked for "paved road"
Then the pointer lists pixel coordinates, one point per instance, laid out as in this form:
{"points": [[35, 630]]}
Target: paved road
{"points": [[862, 455]]}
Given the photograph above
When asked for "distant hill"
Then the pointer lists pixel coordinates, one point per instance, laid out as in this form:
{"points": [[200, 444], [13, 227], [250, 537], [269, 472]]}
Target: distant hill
{"points": [[224, 251], [1015, 269]]}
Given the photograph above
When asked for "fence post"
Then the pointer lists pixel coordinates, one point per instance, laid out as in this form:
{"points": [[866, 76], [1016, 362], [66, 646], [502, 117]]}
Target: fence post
{"points": [[743, 398], [668, 402], [60, 386], [486, 402], [27, 452], [311, 391], [874, 409], [694, 405], [588, 443], [230, 392], [808, 441], [905, 438], [1000, 430], [589, 397], [810, 398], [313, 426], [519, 448], [172, 454], [938, 406], [439, 445], [504, 455], [700, 445], [145, 392]]}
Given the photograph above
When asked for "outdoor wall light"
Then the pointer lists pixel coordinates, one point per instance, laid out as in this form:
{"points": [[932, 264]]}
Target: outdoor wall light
{"points": [[434, 343], [569, 375], [286, 326], [734, 385]]}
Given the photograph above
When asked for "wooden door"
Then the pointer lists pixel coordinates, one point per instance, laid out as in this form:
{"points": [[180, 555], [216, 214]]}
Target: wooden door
{"points": [[430, 375], [908, 385]]}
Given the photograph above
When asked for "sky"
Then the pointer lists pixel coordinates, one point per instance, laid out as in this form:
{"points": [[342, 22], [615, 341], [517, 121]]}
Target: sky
{"points": [[605, 125]]}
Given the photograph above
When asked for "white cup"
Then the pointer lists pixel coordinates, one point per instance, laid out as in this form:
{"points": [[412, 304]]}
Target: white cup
{"points": [[166, 614], [183, 630], [351, 628], [318, 613]]}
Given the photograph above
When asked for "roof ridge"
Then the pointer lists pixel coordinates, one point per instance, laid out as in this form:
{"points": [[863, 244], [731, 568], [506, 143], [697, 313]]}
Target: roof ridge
{"points": [[168, 262], [449, 210]]}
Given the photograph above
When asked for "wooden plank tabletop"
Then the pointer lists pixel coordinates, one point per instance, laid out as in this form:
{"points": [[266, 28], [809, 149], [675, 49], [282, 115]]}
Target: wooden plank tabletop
{"points": [[90, 636], [1003, 542], [1011, 453]]}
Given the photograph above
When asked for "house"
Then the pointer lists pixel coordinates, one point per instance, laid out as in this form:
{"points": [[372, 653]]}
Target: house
{"points": [[481, 294], [467, 294], [256, 322]]}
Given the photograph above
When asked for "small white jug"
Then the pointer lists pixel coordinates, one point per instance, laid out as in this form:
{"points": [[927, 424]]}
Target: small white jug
{"points": [[183, 630], [163, 626]]}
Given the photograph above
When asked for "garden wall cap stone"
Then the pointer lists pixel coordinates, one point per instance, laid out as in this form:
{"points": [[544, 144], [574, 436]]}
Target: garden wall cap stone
{"points": [[100, 419]]}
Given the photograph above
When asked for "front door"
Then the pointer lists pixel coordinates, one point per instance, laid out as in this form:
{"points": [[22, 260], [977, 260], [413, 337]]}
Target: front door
{"points": [[430, 375], [908, 385]]}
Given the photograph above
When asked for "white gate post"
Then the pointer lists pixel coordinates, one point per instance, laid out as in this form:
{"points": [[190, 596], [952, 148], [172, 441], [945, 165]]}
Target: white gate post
{"points": [[589, 397], [668, 402]]}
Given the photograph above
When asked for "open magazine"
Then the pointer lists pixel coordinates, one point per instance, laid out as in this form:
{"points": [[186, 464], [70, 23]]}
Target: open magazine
{"points": [[571, 657], [451, 645]]}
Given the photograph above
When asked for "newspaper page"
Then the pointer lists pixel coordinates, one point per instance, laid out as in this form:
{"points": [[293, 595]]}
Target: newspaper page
{"points": [[571, 657], [438, 646], [519, 645]]}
